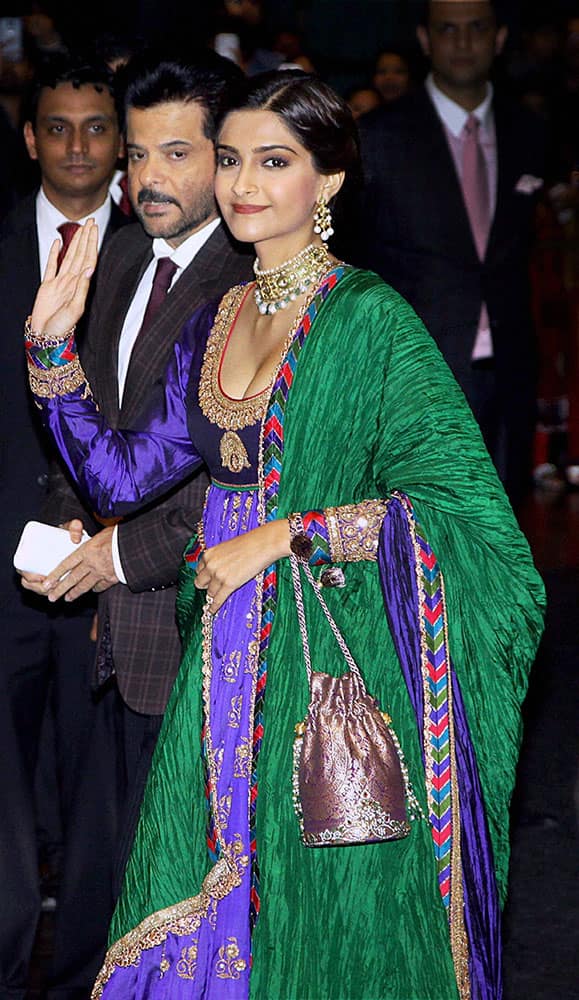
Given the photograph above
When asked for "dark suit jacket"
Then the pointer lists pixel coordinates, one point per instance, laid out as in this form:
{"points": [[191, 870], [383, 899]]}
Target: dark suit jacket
{"points": [[145, 644], [24, 448], [414, 231]]}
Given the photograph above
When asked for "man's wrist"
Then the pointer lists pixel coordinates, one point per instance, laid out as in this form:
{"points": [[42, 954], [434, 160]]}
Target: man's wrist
{"points": [[116, 556]]}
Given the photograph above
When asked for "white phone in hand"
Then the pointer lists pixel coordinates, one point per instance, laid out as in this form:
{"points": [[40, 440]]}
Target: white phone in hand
{"points": [[42, 547]]}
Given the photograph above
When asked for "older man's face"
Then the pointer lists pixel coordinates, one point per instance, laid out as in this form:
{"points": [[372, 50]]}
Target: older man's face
{"points": [[461, 40]]}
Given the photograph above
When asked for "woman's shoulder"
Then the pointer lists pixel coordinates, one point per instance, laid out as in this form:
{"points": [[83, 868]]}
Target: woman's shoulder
{"points": [[366, 290]]}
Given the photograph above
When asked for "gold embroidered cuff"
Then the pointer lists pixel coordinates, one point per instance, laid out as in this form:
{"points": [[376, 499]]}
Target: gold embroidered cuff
{"points": [[58, 381], [354, 529]]}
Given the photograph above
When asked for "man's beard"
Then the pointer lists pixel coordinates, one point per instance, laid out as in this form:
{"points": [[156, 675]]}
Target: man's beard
{"points": [[186, 223]]}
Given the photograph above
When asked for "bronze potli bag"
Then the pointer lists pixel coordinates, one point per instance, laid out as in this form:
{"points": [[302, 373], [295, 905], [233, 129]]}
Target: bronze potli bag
{"points": [[350, 782]]}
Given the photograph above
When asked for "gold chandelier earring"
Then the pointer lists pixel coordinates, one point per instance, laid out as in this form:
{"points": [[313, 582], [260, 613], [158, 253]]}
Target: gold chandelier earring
{"points": [[323, 220]]}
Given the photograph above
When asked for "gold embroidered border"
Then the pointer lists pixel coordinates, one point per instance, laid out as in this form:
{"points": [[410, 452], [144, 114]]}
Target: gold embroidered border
{"points": [[183, 918], [354, 529], [58, 381], [229, 414]]}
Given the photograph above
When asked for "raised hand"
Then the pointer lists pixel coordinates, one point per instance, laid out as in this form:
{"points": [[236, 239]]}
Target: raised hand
{"points": [[61, 298]]}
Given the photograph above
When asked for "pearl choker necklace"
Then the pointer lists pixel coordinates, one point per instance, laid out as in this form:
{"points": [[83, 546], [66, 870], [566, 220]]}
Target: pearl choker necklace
{"points": [[277, 287]]}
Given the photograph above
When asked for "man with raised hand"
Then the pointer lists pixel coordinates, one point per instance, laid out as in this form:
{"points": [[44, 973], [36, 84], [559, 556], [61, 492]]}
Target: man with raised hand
{"points": [[150, 280]]}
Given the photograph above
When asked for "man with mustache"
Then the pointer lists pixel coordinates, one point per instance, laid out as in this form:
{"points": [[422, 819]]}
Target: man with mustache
{"points": [[171, 107], [47, 656]]}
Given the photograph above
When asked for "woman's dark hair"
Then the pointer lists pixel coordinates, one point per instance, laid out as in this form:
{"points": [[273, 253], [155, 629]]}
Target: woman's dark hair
{"points": [[318, 117], [152, 78]]}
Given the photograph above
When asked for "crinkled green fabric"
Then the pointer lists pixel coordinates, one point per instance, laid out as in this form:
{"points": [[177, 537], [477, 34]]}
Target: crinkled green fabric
{"points": [[373, 408]]}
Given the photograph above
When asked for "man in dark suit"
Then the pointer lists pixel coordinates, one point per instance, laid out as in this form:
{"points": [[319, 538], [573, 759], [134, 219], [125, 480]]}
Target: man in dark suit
{"points": [[171, 111], [72, 132], [451, 172]]}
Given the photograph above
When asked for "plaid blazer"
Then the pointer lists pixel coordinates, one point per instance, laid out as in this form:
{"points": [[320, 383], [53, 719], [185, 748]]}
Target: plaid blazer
{"points": [[139, 619]]}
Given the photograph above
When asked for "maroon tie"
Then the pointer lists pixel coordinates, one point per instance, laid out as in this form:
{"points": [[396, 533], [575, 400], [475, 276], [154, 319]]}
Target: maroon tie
{"points": [[67, 231], [125, 203], [161, 282]]}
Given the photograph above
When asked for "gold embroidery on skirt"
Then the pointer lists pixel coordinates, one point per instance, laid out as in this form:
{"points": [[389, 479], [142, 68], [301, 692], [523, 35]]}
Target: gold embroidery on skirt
{"points": [[182, 918], [230, 965], [187, 965]]}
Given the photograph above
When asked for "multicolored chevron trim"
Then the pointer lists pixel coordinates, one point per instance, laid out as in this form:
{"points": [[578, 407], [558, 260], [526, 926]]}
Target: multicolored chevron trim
{"points": [[272, 451], [194, 555], [52, 356], [316, 528], [439, 750], [437, 721]]}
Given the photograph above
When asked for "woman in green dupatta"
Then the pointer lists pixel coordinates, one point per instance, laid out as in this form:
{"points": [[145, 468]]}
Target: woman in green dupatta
{"points": [[358, 453]]}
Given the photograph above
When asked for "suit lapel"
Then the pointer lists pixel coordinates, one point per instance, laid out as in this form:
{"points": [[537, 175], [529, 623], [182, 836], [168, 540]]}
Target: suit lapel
{"points": [[204, 279], [445, 185], [112, 328]]}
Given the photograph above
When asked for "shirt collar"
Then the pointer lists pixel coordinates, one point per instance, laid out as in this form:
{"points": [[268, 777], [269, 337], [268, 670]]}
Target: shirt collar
{"points": [[50, 217], [184, 254], [451, 113]]}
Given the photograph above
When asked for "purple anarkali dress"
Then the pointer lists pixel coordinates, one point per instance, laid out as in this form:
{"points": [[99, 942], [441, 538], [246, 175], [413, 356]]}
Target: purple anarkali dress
{"points": [[221, 898]]}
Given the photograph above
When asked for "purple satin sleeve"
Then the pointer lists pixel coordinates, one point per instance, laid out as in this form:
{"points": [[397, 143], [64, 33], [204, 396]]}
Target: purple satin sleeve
{"points": [[396, 561], [121, 470]]}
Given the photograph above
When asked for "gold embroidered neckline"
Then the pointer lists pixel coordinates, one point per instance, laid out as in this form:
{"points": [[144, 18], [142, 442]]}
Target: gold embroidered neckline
{"points": [[224, 411]]}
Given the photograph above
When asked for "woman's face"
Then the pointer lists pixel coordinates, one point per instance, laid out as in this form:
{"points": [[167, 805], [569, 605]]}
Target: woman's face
{"points": [[266, 183]]}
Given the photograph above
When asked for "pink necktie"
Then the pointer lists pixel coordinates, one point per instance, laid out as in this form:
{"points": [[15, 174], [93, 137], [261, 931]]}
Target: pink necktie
{"points": [[475, 185], [67, 231], [161, 283]]}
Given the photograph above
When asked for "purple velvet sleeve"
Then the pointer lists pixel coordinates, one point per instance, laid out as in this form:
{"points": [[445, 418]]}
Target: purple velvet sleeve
{"points": [[121, 470]]}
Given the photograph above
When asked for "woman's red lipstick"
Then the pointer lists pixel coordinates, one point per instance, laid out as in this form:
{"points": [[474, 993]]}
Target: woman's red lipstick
{"points": [[248, 209]]}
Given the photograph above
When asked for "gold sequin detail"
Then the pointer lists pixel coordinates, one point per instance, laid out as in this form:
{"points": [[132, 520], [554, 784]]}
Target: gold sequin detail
{"points": [[354, 529], [242, 765], [58, 381], [230, 965], [187, 965], [234, 714], [182, 919], [233, 452]]}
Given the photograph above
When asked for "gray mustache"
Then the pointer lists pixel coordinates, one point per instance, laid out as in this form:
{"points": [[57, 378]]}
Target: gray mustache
{"points": [[155, 197]]}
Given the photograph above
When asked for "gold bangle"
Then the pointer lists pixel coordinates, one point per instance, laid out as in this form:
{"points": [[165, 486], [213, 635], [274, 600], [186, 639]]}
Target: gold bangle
{"points": [[40, 340]]}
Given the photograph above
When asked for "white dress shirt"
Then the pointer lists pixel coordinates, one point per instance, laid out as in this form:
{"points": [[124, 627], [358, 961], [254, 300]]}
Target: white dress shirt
{"points": [[454, 118], [182, 257], [49, 218]]}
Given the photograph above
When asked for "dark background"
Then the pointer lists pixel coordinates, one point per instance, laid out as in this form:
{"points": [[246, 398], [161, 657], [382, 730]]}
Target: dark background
{"points": [[341, 36]]}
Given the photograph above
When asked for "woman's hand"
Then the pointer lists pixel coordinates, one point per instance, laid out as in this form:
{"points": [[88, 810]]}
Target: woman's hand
{"points": [[61, 298], [227, 566]]}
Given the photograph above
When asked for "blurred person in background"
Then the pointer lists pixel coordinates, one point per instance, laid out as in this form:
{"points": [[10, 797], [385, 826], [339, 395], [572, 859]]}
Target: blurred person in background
{"points": [[363, 99], [393, 73], [453, 171]]}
